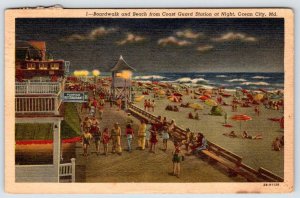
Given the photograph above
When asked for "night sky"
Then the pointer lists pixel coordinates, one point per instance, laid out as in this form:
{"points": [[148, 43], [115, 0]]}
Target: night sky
{"points": [[162, 45]]}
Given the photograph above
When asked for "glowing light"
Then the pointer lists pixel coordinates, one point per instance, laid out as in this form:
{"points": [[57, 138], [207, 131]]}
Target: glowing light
{"points": [[126, 74], [81, 73], [96, 72]]}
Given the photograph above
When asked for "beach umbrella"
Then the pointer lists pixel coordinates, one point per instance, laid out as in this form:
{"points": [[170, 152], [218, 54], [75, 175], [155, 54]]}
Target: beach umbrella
{"points": [[203, 98], [161, 92], [241, 118], [207, 95], [139, 98], [258, 97], [173, 98], [244, 91], [155, 88], [177, 94], [196, 106], [226, 95], [211, 102]]}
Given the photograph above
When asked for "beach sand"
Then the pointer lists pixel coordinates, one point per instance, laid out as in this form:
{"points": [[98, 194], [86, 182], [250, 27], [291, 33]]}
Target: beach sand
{"points": [[255, 153]]}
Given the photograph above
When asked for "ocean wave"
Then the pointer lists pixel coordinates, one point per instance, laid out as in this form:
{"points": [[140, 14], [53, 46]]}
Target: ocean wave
{"points": [[221, 76], [155, 77], [189, 80], [237, 80], [255, 83], [260, 77]]}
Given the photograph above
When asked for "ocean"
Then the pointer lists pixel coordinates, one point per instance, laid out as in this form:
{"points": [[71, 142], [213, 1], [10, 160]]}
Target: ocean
{"points": [[267, 81], [231, 81]]}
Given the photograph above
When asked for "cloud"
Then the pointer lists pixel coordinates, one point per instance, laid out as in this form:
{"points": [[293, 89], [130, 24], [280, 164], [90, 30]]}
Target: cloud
{"points": [[92, 35], [131, 38], [204, 48], [189, 34], [171, 40], [232, 36]]}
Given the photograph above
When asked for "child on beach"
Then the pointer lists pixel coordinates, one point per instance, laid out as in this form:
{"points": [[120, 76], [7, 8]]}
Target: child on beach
{"points": [[105, 140]]}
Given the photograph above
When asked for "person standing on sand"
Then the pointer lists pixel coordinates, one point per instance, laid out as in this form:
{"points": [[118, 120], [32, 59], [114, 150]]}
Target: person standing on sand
{"points": [[105, 140], [119, 104], [225, 118], [142, 135], [153, 138], [177, 157]]}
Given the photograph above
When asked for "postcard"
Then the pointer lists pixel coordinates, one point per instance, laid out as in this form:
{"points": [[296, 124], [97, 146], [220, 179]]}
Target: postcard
{"points": [[149, 100]]}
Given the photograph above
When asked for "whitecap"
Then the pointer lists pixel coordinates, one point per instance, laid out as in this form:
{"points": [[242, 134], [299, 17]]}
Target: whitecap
{"points": [[221, 76], [149, 77], [237, 80], [189, 80], [255, 83], [260, 77]]}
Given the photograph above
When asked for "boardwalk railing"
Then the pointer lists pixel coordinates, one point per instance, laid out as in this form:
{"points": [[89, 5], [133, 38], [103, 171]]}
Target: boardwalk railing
{"points": [[216, 153], [44, 104], [68, 169], [38, 87]]}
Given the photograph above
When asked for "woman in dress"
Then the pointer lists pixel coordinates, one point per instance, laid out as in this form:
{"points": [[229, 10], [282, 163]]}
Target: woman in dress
{"points": [[165, 137], [153, 138], [105, 140]]}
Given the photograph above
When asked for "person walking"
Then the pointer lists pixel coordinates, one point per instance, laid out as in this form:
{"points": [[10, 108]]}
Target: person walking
{"points": [[142, 135], [129, 135], [116, 139], [86, 139], [105, 140]]}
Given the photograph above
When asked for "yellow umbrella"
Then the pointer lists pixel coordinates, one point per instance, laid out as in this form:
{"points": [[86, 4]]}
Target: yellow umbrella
{"points": [[258, 97], [211, 102], [195, 106], [139, 98], [161, 92]]}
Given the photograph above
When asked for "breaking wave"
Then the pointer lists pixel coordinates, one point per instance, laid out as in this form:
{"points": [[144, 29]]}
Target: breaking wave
{"points": [[155, 77], [256, 83], [189, 80], [221, 76], [260, 77], [237, 80]]}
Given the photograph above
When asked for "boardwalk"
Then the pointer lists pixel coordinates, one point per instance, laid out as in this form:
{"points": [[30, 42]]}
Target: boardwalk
{"points": [[141, 166]]}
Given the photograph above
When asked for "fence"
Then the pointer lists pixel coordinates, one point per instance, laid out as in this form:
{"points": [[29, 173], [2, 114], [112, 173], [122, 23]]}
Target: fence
{"points": [[46, 104], [68, 169], [39, 87]]}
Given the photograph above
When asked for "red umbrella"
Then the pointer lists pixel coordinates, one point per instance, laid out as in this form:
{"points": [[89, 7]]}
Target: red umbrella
{"points": [[244, 91], [177, 94], [241, 118], [203, 98], [226, 95]]}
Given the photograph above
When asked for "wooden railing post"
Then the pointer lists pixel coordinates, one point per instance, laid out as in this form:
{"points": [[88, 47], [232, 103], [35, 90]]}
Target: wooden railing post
{"points": [[73, 170]]}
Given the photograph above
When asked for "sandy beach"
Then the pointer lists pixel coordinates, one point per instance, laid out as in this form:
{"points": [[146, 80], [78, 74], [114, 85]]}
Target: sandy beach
{"points": [[255, 153]]}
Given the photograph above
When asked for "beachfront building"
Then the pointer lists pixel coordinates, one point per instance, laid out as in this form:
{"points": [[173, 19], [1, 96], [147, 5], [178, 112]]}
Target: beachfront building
{"points": [[39, 113], [121, 86]]}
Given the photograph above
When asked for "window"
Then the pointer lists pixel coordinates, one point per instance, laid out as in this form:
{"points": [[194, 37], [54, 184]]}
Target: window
{"points": [[31, 66], [54, 66], [43, 66]]}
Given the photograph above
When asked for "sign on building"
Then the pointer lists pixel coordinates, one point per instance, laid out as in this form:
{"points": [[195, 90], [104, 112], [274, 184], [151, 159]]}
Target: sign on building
{"points": [[75, 96]]}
